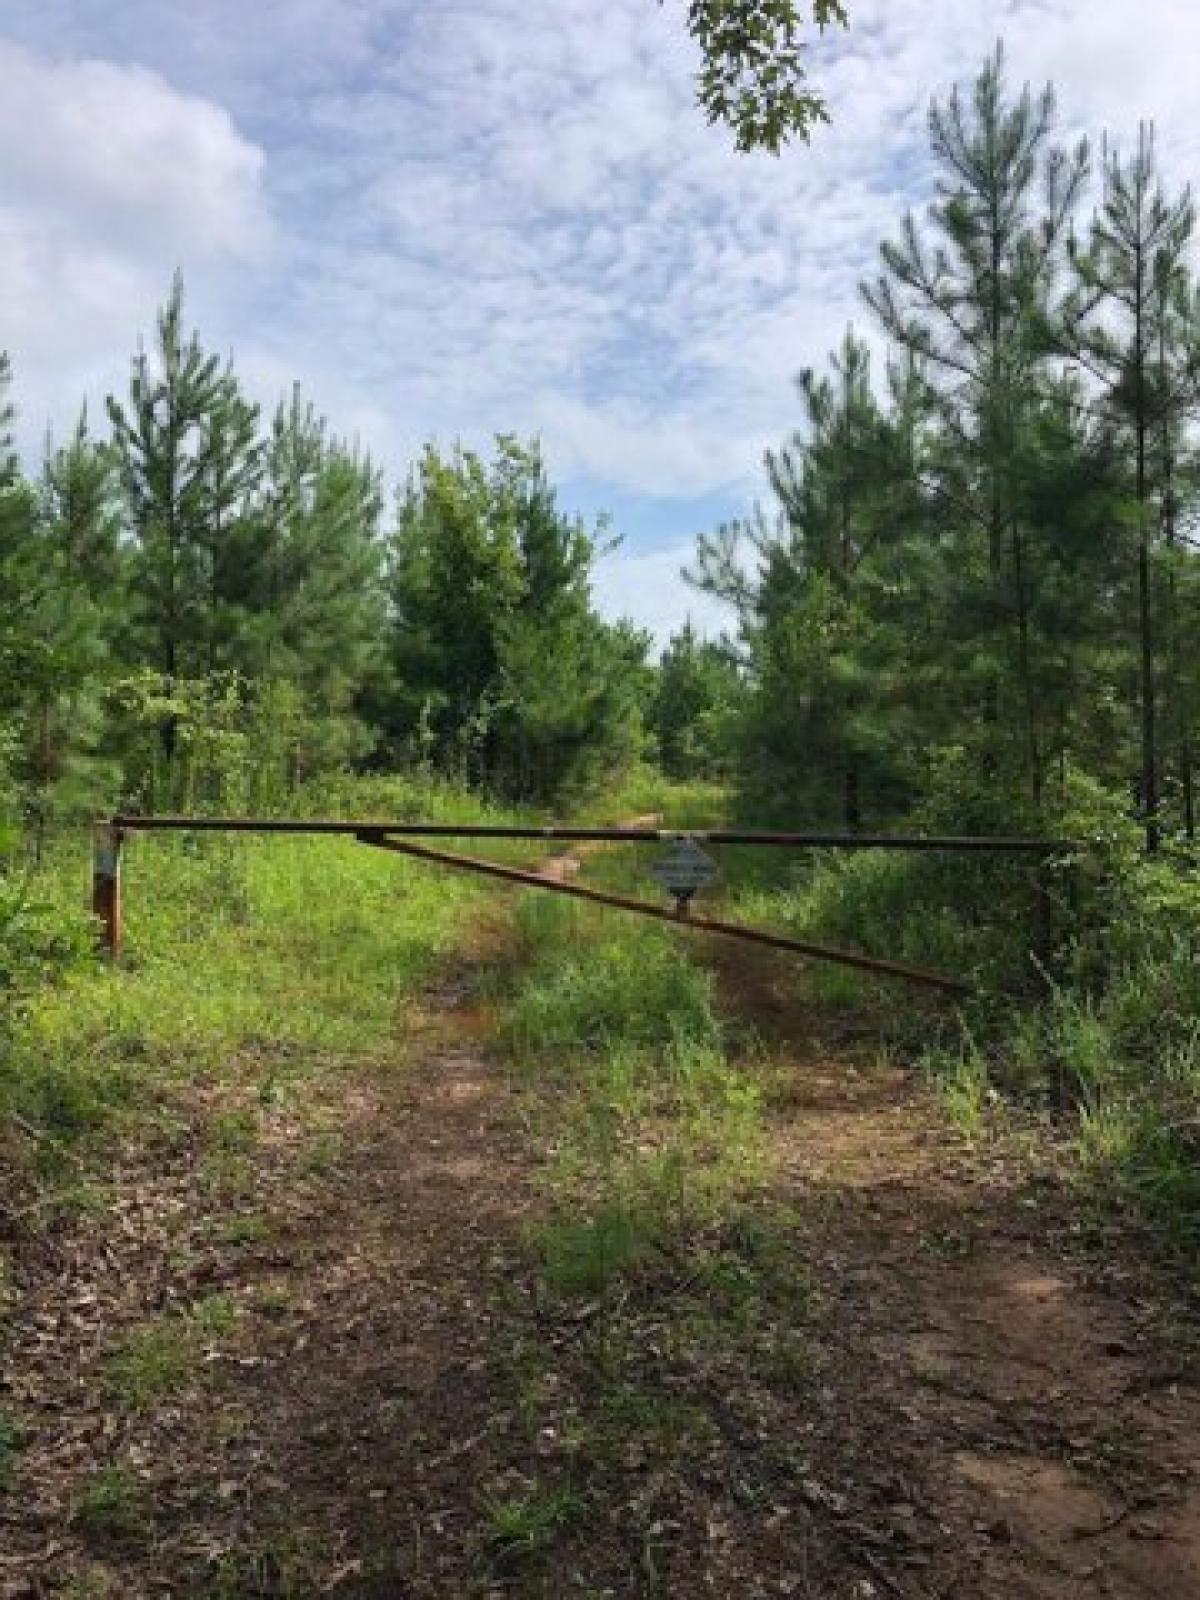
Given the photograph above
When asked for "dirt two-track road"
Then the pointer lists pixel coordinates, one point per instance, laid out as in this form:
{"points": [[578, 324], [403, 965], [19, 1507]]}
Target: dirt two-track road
{"points": [[991, 1406]]}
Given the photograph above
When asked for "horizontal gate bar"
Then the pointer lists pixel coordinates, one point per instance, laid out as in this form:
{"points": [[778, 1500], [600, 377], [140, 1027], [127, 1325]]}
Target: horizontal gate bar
{"points": [[729, 930], [713, 836]]}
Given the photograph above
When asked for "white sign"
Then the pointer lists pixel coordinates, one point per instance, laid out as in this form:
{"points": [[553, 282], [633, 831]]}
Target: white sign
{"points": [[685, 868]]}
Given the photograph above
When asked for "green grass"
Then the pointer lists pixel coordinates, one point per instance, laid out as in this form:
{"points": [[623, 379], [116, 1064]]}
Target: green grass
{"points": [[112, 1508], [1129, 1089], [607, 987], [582, 1254], [639, 1389], [614, 1035], [151, 1363], [645, 791], [611, 1026], [213, 1314], [521, 1526], [246, 959], [245, 1228], [163, 1357]]}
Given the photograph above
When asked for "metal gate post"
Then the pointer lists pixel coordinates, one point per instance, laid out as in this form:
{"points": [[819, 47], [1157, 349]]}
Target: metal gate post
{"points": [[106, 886]]}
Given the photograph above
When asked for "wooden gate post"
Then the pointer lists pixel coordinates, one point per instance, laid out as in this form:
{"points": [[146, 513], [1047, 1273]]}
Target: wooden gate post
{"points": [[106, 886]]}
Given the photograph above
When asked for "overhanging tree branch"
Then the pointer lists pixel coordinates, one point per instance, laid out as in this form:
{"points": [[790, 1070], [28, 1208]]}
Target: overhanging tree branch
{"points": [[753, 77]]}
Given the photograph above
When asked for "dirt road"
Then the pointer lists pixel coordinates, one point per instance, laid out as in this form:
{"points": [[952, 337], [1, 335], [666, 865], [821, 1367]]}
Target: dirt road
{"points": [[980, 1408]]}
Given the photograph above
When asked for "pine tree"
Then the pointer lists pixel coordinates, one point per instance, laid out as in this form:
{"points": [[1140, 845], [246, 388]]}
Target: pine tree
{"points": [[81, 513], [568, 685], [52, 653], [1122, 323], [698, 690], [312, 578], [1177, 377], [8, 416], [827, 485], [168, 440], [19, 575], [799, 580], [963, 303], [233, 466]]}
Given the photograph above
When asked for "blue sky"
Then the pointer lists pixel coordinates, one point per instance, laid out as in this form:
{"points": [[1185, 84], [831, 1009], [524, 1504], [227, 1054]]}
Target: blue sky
{"points": [[455, 218]]}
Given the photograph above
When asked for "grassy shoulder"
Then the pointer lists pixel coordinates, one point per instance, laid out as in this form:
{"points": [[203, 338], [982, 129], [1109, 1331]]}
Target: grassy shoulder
{"points": [[249, 963], [1087, 1009]]}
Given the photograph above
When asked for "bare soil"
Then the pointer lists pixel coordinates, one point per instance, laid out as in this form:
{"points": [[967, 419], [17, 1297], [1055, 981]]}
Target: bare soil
{"points": [[1014, 1389], [983, 1404]]}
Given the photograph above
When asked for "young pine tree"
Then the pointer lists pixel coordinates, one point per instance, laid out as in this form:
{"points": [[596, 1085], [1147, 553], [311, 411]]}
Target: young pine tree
{"points": [[697, 694], [183, 450], [316, 603], [962, 298], [52, 657], [81, 515], [1129, 323]]}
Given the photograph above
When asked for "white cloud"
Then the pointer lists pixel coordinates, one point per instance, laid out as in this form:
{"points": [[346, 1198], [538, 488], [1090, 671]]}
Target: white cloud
{"points": [[109, 178], [662, 455], [650, 590], [125, 156]]}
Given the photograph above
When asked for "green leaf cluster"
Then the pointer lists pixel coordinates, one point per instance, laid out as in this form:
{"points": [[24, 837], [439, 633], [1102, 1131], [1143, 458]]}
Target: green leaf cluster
{"points": [[753, 77]]}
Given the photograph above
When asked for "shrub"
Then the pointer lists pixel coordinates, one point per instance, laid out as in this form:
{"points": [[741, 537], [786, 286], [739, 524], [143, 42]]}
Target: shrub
{"points": [[39, 944]]}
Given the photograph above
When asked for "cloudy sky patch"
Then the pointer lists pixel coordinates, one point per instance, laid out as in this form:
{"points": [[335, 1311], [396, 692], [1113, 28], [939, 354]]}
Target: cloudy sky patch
{"points": [[499, 215]]}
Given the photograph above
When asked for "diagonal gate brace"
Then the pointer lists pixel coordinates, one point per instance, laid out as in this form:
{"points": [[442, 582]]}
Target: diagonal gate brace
{"points": [[729, 930]]}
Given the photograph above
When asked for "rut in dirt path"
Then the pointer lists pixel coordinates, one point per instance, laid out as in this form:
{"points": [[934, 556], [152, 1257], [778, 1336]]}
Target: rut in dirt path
{"points": [[376, 1413], [329, 1443], [388, 1422], [1014, 1396]]}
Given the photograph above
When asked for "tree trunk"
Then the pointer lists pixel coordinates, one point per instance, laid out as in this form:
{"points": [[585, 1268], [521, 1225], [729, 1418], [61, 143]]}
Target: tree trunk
{"points": [[852, 804], [1149, 709]]}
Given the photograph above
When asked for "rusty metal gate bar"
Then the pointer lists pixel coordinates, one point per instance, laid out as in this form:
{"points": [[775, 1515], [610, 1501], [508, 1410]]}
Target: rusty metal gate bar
{"points": [[480, 830]]}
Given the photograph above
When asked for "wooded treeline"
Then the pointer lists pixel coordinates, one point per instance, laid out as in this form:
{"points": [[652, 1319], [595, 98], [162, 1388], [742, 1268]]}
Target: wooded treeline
{"points": [[989, 558], [198, 573]]}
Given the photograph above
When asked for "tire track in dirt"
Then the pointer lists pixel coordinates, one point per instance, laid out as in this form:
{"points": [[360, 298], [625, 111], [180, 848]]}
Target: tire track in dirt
{"points": [[1018, 1392]]}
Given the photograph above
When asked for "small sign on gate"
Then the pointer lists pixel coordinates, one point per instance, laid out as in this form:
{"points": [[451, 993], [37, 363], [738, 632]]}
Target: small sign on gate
{"points": [[685, 869]]}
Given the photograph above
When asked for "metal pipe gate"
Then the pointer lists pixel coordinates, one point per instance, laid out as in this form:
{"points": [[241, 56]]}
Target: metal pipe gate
{"points": [[682, 873]]}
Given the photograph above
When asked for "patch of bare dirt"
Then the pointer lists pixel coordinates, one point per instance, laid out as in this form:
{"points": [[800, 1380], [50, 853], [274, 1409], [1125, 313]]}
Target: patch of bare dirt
{"points": [[1019, 1387]]}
